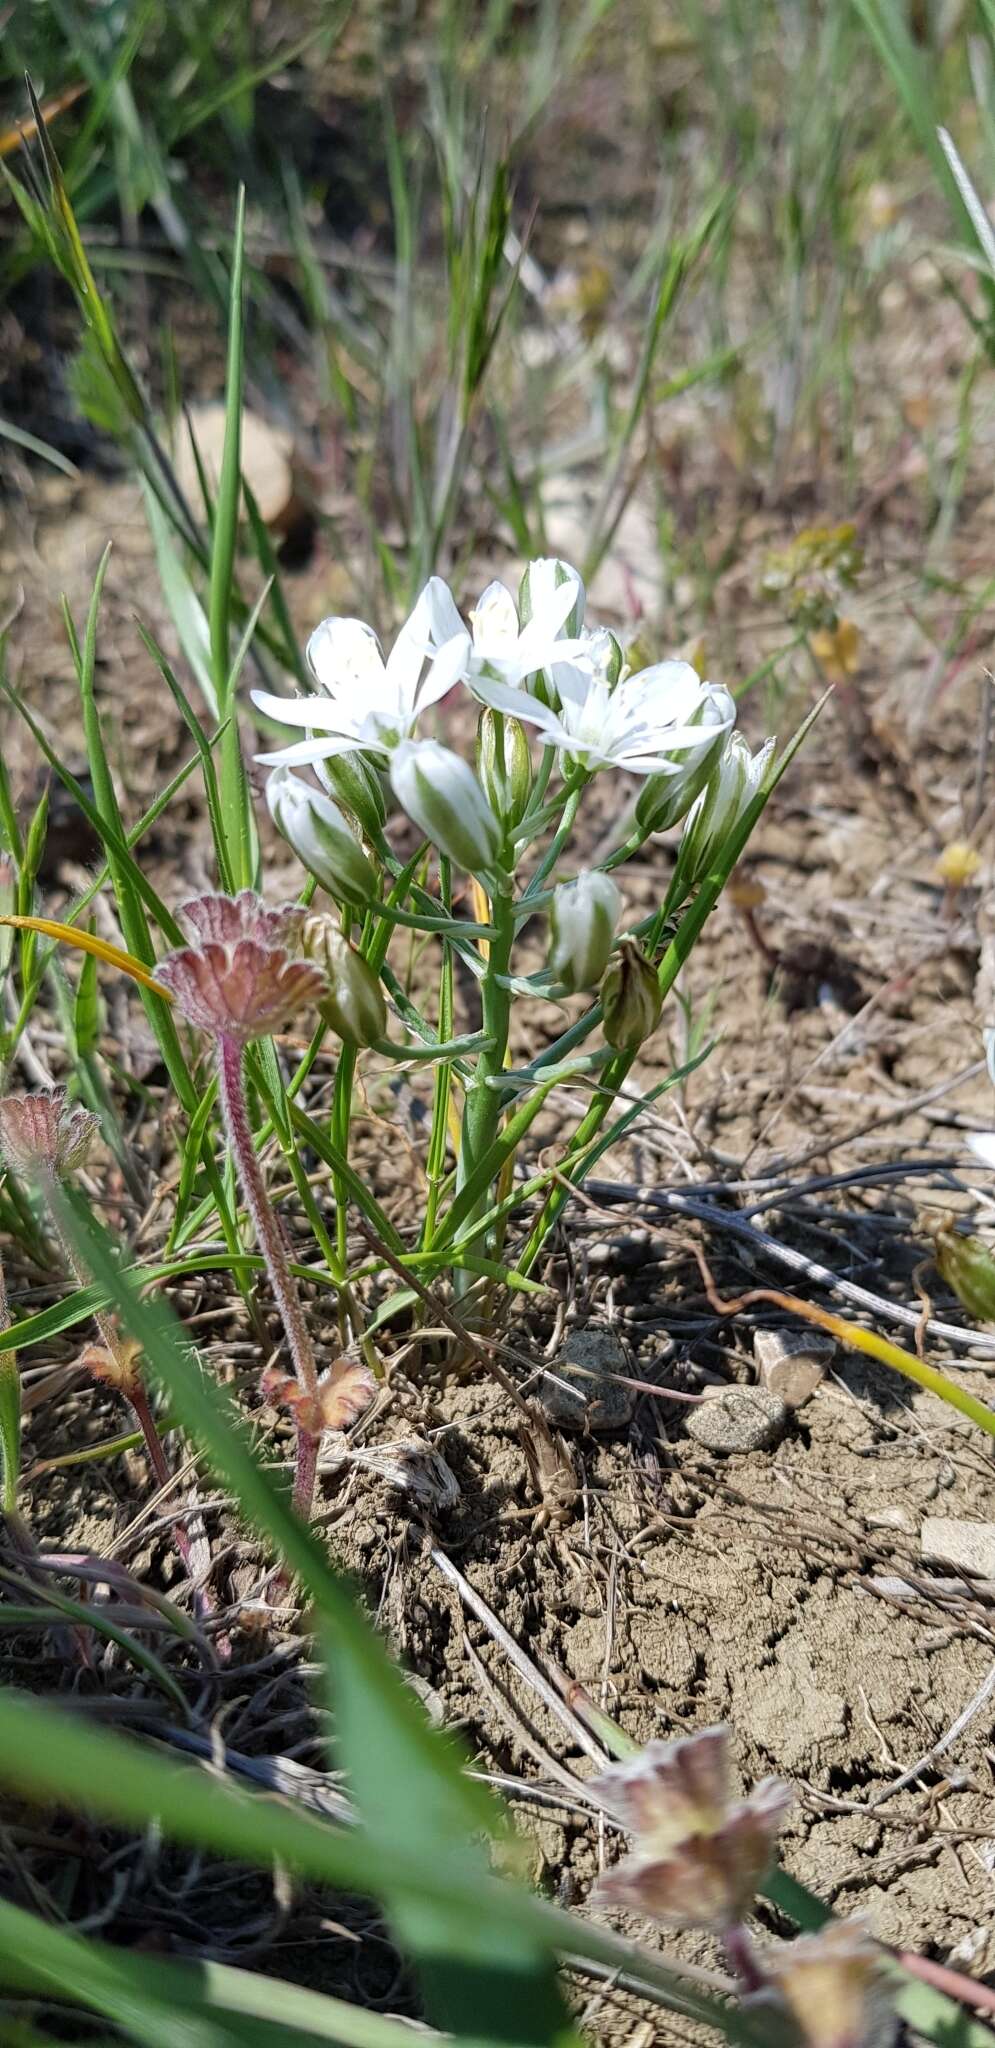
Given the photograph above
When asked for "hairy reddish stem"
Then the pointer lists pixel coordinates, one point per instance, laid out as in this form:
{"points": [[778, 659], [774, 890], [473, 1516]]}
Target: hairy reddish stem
{"points": [[270, 1241]]}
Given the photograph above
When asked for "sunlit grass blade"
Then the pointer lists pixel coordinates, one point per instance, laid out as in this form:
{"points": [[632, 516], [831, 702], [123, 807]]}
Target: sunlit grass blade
{"points": [[236, 809], [203, 2005]]}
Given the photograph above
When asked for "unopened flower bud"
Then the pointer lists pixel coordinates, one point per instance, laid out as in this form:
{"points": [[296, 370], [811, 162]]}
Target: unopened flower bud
{"points": [[665, 799], [441, 793], [42, 1133], [506, 784], [631, 1000], [541, 578], [355, 781], [582, 920], [721, 807], [968, 1267], [353, 1004], [316, 829], [835, 1987], [699, 1857]]}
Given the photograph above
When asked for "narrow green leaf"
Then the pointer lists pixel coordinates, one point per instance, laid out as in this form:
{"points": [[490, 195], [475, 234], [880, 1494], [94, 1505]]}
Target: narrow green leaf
{"points": [[235, 806]]}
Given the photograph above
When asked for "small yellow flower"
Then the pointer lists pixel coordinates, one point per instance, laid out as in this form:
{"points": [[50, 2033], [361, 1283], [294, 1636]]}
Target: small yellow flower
{"points": [[837, 649], [958, 863]]}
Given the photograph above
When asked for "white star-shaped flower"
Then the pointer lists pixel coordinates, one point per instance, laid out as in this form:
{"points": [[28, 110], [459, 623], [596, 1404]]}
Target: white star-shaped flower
{"points": [[369, 704]]}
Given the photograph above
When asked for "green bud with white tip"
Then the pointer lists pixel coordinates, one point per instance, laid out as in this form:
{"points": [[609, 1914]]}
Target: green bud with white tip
{"points": [[504, 772], [440, 791], [356, 782], [716, 814], [583, 917], [667, 798], [354, 1005], [320, 836]]}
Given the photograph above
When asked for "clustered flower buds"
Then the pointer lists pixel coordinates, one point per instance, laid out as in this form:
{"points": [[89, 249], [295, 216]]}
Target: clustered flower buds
{"points": [[42, 1133], [504, 766], [700, 1856], [239, 980], [583, 917], [732, 785]]}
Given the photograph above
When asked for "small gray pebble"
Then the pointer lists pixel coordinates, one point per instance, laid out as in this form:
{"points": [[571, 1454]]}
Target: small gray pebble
{"points": [[738, 1419], [588, 1399]]}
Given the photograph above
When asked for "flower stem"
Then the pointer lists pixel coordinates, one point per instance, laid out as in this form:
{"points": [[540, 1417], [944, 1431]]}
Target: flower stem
{"points": [[269, 1238], [483, 1107]]}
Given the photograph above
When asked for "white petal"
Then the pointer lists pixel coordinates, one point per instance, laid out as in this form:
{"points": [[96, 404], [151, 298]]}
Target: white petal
{"points": [[306, 751], [545, 586], [982, 1144], [343, 651], [518, 703], [448, 669], [443, 619], [319, 714], [494, 619]]}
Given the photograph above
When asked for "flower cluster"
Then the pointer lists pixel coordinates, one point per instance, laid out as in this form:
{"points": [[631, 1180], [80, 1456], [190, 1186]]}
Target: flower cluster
{"points": [[535, 660], [700, 1857], [537, 667]]}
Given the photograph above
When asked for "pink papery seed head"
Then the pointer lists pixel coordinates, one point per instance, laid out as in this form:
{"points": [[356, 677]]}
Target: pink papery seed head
{"points": [[223, 920], [243, 990], [43, 1132]]}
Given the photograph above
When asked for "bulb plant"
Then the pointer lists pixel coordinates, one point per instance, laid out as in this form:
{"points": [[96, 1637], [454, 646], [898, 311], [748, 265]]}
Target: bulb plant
{"points": [[547, 706], [556, 707]]}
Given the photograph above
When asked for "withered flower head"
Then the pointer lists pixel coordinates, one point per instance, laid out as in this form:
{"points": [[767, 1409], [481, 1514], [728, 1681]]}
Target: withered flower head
{"points": [[239, 980], [226, 919], [700, 1856], [118, 1368], [344, 1394], [835, 1988], [43, 1132]]}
